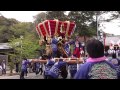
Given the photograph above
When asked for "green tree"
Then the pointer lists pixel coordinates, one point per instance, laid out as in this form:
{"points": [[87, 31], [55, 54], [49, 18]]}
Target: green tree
{"points": [[5, 31], [60, 15], [11, 63], [21, 28], [5, 34], [25, 47], [82, 20], [85, 23], [39, 18]]}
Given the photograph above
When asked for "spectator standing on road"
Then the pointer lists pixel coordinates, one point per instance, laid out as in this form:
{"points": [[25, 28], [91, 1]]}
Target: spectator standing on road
{"points": [[17, 65], [107, 56], [4, 67], [41, 68], [25, 62], [37, 68], [27, 68], [117, 51], [96, 66], [30, 67], [0, 70]]}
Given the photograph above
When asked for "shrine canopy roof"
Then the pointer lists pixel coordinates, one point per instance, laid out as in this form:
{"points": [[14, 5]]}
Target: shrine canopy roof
{"points": [[50, 28]]}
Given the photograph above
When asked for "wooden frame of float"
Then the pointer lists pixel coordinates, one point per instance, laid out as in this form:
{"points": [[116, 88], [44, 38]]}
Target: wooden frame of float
{"points": [[67, 60]]}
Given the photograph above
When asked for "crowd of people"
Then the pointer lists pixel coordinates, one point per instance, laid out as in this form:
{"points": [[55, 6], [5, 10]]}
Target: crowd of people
{"points": [[96, 65]]}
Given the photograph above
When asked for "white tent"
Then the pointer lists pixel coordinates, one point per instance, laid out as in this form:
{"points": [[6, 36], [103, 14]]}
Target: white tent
{"points": [[118, 43], [112, 40]]}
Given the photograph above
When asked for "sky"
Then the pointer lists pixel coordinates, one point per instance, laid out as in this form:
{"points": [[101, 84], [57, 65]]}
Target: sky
{"points": [[27, 16], [112, 27], [23, 16]]}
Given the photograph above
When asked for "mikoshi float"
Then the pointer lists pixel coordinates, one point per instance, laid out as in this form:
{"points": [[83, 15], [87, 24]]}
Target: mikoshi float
{"points": [[60, 30]]}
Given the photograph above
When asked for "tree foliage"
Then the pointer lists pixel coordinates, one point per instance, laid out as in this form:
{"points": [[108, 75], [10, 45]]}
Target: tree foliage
{"points": [[11, 29], [82, 20], [39, 18], [60, 15], [5, 29], [25, 47], [10, 32], [21, 29]]}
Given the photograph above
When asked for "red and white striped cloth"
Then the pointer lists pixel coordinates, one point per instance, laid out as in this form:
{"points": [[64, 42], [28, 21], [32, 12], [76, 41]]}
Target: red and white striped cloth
{"points": [[51, 28]]}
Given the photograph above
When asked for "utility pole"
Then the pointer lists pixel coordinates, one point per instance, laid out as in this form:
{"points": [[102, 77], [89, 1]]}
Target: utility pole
{"points": [[97, 25], [21, 37]]}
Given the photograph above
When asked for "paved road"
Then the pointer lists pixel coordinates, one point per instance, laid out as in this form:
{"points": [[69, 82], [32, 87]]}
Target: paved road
{"points": [[30, 76]]}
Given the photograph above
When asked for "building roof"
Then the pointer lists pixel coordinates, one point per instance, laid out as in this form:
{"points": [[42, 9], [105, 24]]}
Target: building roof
{"points": [[4, 46]]}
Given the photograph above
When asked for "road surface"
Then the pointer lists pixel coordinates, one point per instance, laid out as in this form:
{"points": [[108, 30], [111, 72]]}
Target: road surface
{"points": [[30, 76]]}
